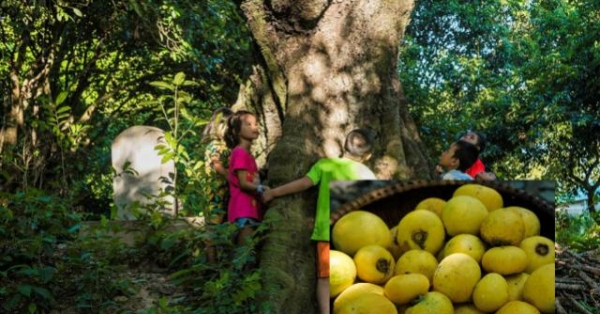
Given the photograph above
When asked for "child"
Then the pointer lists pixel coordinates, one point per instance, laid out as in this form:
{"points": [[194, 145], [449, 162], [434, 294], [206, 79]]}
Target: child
{"points": [[216, 156], [477, 171], [357, 149], [244, 208], [457, 159]]}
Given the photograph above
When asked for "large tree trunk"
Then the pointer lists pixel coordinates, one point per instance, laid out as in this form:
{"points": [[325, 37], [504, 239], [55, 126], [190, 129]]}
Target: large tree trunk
{"points": [[327, 67]]}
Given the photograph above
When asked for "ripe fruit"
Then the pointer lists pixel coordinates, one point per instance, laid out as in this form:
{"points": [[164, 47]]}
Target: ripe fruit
{"points": [[530, 220], [445, 256], [357, 229], [402, 289], [539, 288], [467, 309], [374, 264], [433, 204], [431, 303], [421, 229], [463, 214], [342, 272], [515, 286], [502, 227], [465, 243], [539, 250], [355, 291], [520, 307], [490, 293], [368, 303], [417, 262], [394, 247], [456, 277], [488, 196], [504, 260]]}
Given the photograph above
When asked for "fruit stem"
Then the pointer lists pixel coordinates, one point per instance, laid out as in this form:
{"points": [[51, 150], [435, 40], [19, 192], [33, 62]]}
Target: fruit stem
{"points": [[419, 238], [542, 249], [383, 265]]}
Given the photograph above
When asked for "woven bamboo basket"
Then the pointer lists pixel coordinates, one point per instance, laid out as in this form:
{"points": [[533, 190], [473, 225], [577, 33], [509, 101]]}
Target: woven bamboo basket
{"points": [[393, 201]]}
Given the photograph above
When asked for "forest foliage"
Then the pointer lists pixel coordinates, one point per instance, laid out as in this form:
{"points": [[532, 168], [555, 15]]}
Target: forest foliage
{"points": [[77, 73], [74, 74], [522, 72]]}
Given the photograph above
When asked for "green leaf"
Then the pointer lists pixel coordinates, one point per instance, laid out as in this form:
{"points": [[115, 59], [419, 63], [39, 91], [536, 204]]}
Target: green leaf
{"points": [[61, 97], [43, 292], [63, 109], [169, 137], [12, 303], [75, 228], [32, 308], [163, 85], [77, 12], [24, 290], [166, 158], [168, 243], [46, 274], [103, 221], [179, 79]]}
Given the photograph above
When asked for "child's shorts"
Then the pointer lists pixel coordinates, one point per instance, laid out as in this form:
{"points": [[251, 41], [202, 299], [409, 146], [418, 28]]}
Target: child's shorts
{"points": [[242, 222], [322, 259]]}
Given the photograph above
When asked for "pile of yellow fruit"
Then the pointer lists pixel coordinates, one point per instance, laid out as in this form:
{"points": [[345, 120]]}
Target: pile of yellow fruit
{"points": [[468, 254]]}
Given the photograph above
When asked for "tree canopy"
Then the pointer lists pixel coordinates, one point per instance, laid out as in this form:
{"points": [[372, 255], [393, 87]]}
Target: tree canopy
{"points": [[521, 72]]}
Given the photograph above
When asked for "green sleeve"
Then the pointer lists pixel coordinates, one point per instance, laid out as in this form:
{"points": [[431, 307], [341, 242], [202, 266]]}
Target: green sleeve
{"points": [[315, 173]]}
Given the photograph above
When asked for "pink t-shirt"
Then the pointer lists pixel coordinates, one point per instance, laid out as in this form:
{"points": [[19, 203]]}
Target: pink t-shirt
{"points": [[241, 203]]}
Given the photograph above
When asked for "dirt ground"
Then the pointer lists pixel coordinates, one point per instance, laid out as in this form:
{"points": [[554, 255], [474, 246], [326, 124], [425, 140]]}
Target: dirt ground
{"points": [[150, 283]]}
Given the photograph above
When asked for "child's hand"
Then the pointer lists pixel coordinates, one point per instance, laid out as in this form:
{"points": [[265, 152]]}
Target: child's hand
{"points": [[256, 179], [311, 223], [439, 169], [486, 176], [267, 195]]}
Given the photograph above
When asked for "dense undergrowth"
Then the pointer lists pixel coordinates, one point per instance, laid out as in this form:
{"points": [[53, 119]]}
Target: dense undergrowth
{"points": [[47, 262], [578, 233]]}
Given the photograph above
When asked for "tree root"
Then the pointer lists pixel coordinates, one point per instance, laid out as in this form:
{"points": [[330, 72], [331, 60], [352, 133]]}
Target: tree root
{"points": [[577, 277]]}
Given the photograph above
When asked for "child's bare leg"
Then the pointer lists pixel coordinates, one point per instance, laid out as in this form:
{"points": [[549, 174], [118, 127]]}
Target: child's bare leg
{"points": [[244, 235], [244, 238], [323, 295], [209, 244], [211, 251]]}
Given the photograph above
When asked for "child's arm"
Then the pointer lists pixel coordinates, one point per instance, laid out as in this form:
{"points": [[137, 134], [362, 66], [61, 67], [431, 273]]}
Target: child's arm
{"points": [[219, 167], [485, 176], [288, 188], [246, 185]]}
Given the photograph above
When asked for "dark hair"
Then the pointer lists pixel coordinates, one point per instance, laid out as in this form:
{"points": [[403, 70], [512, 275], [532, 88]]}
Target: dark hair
{"points": [[466, 153], [219, 116], [359, 142], [234, 126]]}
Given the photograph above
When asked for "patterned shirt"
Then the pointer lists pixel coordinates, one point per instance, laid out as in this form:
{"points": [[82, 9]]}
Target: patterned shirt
{"points": [[215, 186]]}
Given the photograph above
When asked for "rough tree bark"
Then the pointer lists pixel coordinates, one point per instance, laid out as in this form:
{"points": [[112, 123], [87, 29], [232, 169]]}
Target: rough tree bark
{"points": [[326, 68]]}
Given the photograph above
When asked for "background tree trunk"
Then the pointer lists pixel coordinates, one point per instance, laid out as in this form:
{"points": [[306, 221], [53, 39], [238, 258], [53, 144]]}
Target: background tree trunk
{"points": [[326, 68]]}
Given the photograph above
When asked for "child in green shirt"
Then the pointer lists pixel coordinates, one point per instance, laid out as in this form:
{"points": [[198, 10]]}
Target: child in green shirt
{"points": [[357, 149]]}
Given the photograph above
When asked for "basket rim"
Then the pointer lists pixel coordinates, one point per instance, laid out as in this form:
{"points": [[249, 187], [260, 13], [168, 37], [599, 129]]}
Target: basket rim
{"points": [[404, 186]]}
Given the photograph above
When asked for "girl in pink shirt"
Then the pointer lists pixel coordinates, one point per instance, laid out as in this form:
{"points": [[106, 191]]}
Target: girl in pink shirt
{"points": [[244, 183]]}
